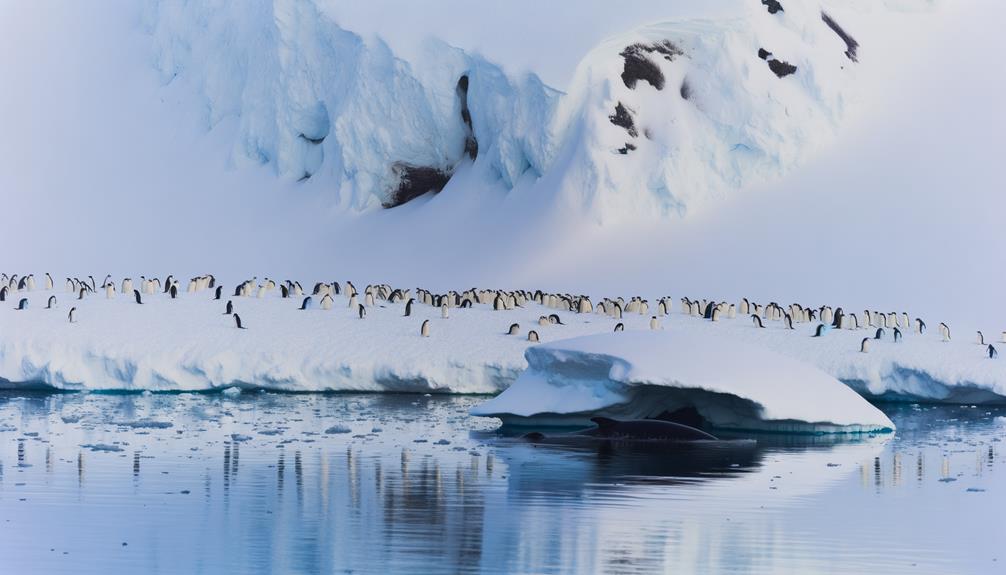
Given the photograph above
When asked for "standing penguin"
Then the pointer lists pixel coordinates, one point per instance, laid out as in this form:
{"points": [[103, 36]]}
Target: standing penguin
{"points": [[532, 336], [22, 305], [362, 311], [52, 302], [81, 294], [864, 345], [819, 331], [920, 326], [136, 296], [72, 316], [230, 308], [306, 304], [127, 286], [880, 333], [654, 323], [425, 329], [945, 331], [173, 291], [48, 281], [327, 301], [408, 307], [109, 290], [992, 352], [619, 327], [756, 319], [237, 322], [789, 321], [218, 292], [981, 338], [4, 290], [514, 329], [897, 335], [443, 311]]}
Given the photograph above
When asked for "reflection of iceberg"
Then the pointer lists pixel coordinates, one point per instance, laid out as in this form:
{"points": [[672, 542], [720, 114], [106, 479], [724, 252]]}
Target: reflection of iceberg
{"points": [[611, 507], [646, 374]]}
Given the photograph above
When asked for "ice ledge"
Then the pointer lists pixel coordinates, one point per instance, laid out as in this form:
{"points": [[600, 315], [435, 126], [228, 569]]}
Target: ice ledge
{"points": [[642, 374]]}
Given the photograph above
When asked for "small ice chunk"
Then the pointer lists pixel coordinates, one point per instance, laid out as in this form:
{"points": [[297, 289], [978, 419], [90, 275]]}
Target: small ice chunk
{"points": [[338, 429]]}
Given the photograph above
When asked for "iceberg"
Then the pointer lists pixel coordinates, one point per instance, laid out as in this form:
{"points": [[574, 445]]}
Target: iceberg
{"points": [[638, 375]]}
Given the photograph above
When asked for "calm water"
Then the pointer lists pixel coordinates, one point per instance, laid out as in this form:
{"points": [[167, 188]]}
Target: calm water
{"points": [[254, 484]]}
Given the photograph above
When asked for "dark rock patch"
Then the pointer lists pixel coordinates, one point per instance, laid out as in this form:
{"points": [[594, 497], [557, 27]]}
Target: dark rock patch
{"points": [[311, 140], [686, 90], [851, 45], [414, 181], [471, 144], [763, 53], [773, 6], [628, 147], [639, 66], [623, 119], [780, 68]]}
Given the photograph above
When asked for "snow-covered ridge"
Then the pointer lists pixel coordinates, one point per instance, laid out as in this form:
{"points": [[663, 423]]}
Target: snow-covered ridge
{"points": [[657, 119]]}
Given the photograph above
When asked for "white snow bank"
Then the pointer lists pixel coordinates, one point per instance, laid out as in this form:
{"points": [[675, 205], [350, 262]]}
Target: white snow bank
{"points": [[188, 344], [644, 374]]}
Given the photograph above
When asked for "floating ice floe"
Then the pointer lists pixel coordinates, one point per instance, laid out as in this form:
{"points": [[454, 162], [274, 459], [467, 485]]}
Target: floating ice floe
{"points": [[643, 374]]}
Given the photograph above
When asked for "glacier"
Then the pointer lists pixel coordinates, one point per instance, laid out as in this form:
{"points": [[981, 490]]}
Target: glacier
{"points": [[318, 101]]}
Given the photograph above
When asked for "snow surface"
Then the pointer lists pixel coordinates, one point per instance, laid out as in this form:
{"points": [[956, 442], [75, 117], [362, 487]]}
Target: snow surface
{"points": [[642, 374], [188, 344]]}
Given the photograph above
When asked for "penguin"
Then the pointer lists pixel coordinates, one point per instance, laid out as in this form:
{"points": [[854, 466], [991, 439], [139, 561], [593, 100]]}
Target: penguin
{"points": [[81, 294], [708, 313], [920, 326], [127, 285], [168, 281], [3, 297], [52, 302], [757, 320], [408, 307], [109, 290], [897, 335], [514, 329], [48, 281], [362, 311], [326, 302], [819, 331], [237, 322], [237, 290], [654, 323], [173, 291], [284, 291], [981, 338], [22, 305], [880, 333], [554, 319], [72, 315], [425, 329], [306, 303], [532, 336], [136, 295], [443, 311], [619, 327], [230, 308], [789, 321], [543, 320], [218, 292], [352, 301], [992, 352], [945, 331], [863, 346]]}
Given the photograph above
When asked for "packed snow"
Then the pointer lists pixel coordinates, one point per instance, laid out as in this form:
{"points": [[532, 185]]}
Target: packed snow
{"points": [[647, 374], [188, 343]]}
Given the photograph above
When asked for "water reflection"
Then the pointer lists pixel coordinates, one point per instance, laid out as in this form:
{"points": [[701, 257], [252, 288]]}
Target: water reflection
{"points": [[433, 490]]}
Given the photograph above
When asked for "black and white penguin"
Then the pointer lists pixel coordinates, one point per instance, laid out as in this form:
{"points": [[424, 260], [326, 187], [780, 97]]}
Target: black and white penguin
{"points": [[532, 336], [3, 293], [443, 311], [80, 295], [756, 319], [880, 333], [425, 329], [789, 321], [173, 291], [897, 335], [327, 302], [945, 331], [136, 295], [22, 305], [554, 319], [654, 323], [992, 352], [230, 308], [48, 281], [306, 303], [237, 322], [981, 338], [72, 316], [514, 329], [920, 326], [819, 331], [864, 346], [52, 302], [284, 291], [362, 311], [408, 307], [218, 292]]}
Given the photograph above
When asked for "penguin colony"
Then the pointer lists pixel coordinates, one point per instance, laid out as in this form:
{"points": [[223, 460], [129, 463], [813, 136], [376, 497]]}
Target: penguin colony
{"points": [[886, 327]]}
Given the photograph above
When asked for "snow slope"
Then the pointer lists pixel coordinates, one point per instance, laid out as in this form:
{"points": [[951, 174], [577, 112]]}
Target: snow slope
{"points": [[188, 344], [641, 375]]}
